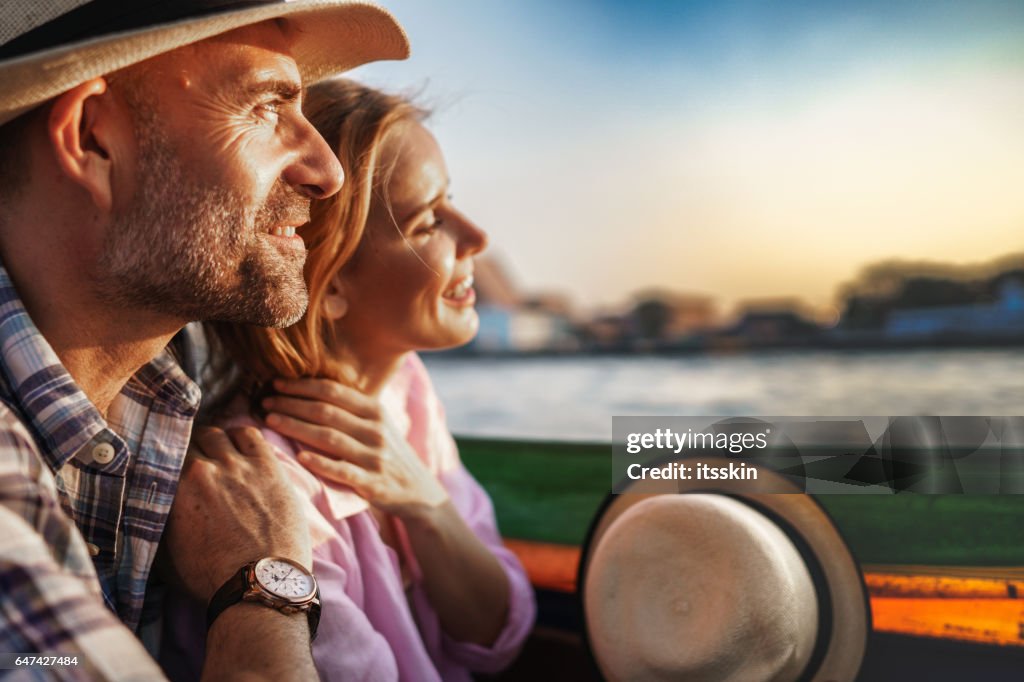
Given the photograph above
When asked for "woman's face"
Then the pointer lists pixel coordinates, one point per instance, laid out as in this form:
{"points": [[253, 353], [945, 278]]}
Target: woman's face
{"points": [[409, 285]]}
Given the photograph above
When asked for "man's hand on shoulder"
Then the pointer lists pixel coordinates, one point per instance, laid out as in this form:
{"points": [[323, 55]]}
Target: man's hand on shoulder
{"points": [[234, 505]]}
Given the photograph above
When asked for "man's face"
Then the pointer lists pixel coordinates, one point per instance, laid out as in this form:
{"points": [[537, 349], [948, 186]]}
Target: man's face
{"points": [[224, 170]]}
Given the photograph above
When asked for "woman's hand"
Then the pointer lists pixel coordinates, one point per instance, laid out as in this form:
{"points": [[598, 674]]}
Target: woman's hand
{"points": [[355, 444], [361, 448]]}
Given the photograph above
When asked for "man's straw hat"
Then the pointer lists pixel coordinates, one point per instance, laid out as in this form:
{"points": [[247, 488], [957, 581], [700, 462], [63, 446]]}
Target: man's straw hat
{"points": [[49, 46], [721, 582]]}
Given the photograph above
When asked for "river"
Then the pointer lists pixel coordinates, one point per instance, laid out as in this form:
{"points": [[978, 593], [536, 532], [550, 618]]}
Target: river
{"points": [[574, 398]]}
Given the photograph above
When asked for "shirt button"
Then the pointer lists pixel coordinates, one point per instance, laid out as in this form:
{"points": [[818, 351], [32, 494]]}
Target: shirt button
{"points": [[103, 453], [94, 550]]}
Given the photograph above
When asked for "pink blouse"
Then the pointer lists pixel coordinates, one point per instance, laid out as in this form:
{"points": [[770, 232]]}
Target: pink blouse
{"points": [[371, 628]]}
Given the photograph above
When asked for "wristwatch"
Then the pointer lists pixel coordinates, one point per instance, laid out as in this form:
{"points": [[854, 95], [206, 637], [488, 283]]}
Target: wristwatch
{"points": [[276, 582]]}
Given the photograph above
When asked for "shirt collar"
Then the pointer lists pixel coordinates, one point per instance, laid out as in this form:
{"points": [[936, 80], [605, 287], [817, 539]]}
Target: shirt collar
{"points": [[50, 402]]}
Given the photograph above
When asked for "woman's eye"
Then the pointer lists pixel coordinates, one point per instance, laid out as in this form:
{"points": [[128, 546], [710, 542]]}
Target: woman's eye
{"points": [[431, 226]]}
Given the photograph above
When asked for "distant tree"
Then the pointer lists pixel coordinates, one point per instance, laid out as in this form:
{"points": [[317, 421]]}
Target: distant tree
{"points": [[651, 317], [924, 292], [864, 312], [882, 287]]}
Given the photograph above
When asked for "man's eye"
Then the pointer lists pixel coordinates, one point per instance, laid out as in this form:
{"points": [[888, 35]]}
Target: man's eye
{"points": [[268, 111]]}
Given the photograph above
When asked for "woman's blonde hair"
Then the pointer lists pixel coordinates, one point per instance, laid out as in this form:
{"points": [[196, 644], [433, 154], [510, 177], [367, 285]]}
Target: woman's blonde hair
{"points": [[354, 120]]}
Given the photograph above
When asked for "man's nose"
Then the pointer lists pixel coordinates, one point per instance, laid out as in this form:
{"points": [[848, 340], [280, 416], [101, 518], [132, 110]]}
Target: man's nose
{"points": [[316, 172]]}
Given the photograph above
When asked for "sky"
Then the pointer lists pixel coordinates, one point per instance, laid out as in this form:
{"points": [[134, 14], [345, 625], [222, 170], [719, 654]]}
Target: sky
{"points": [[743, 150]]}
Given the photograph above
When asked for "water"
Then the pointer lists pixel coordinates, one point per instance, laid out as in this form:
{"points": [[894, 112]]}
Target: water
{"points": [[574, 398]]}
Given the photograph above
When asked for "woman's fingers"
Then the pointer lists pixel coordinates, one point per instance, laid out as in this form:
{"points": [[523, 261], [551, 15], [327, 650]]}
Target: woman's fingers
{"points": [[353, 444], [336, 444], [332, 392], [326, 414], [338, 471]]}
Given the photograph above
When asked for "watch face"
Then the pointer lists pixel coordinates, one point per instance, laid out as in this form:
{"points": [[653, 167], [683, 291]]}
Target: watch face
{"points": [[284, 579]]}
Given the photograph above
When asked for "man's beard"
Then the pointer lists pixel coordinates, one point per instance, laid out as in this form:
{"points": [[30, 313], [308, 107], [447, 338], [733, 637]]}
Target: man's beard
{"points": [[195, 252]]}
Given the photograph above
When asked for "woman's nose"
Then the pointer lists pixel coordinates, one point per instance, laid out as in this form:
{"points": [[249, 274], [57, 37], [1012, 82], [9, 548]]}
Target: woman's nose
{"points": [[471, 239]]}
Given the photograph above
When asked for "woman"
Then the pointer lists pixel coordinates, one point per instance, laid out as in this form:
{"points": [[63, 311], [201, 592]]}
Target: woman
{"points": [[414, 580]]}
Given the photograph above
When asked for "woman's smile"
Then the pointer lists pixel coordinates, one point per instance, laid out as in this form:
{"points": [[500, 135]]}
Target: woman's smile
{"points": [[461, 293]]}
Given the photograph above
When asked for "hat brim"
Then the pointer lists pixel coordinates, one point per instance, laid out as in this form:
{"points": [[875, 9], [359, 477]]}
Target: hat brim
{"points": [[331, 36], [845, 606]]}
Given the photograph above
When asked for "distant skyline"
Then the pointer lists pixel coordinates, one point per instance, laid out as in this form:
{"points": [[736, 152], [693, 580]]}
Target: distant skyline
{"points": [[735, 149]]}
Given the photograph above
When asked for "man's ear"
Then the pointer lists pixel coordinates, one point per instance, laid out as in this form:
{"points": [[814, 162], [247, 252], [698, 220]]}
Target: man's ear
{"points": [[81, 133], [335, 301]]}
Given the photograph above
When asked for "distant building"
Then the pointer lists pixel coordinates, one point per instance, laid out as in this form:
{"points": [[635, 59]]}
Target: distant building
{"points": [[771, 323], [522, 331], [493, 285], [667, 317], [607, 333], [510, 323]]}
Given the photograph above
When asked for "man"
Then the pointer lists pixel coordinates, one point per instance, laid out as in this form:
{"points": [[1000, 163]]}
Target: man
{"points": [[154, 162]]}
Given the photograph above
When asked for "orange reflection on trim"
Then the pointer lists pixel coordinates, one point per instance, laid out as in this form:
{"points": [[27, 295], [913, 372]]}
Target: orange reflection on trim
{"points": [[987, 621], [936, 582], [946, 607], [550, 566]]}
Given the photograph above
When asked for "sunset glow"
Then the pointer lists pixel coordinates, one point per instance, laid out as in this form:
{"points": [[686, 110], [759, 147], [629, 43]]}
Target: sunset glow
{"points": [[731, 149]]}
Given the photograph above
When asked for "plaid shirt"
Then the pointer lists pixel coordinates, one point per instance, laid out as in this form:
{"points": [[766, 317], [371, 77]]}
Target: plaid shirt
{"points": [[83, 501]]}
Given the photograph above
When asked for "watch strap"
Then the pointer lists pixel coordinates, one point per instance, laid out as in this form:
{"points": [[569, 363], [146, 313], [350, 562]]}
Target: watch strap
{"points": [[313, 613], [229, 594]]}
